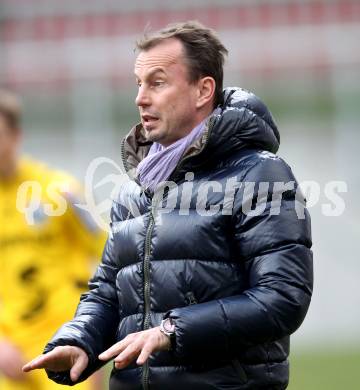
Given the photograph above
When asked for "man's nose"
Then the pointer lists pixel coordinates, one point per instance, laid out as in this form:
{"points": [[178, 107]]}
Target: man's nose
{"points": [[142, 98]]}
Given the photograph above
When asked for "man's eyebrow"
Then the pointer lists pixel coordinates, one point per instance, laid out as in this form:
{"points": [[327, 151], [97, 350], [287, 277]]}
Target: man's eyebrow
{"points": [[152, 72]]}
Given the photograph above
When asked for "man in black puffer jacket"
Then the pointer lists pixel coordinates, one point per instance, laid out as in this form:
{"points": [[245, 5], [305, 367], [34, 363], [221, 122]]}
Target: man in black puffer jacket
{"points": [[204, 277]]}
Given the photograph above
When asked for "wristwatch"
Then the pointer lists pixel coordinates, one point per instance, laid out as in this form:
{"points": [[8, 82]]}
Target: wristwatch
{"points": [[167, 327]]}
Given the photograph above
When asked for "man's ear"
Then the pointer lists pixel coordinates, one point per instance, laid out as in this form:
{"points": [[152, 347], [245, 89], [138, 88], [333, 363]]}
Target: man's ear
{"points": [[206, 91]]}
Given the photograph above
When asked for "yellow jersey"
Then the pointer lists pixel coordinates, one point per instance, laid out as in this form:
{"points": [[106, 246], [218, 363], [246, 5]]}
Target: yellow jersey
{"points": [[45, 260]]}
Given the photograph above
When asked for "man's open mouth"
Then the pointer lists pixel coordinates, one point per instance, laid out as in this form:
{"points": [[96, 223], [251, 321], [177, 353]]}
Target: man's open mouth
{"points": [[148, 119]]}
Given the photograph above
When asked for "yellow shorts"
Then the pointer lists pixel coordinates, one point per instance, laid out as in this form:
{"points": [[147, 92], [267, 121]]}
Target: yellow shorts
{"points": [[38, 380]]}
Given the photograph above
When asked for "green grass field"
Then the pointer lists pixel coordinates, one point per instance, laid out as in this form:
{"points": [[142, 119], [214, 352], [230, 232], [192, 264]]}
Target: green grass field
{"points": [[325, 370]]}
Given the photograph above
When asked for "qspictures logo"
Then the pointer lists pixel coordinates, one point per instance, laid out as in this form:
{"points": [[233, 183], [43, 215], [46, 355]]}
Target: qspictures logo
{"points": [[207, 198]]}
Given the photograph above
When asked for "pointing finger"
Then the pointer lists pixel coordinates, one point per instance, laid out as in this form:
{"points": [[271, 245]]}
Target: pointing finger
{"points": [[34, 364], [42, 361]]}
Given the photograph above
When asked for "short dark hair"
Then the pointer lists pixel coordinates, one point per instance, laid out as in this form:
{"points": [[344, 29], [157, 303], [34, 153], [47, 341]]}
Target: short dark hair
{"points": [[204, 53], [10, 109]]}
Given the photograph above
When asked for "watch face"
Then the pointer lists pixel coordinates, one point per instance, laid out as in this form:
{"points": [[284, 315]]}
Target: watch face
{"points": [[169, 326]]}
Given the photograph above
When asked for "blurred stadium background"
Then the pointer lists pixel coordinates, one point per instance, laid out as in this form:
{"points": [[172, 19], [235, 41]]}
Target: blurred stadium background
{"points": [[72, 62]]}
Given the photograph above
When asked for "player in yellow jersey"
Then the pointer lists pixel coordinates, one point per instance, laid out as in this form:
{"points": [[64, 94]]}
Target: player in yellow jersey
{"points": [[46, 248]]}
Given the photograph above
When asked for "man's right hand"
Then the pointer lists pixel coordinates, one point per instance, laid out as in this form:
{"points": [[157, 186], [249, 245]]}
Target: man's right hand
{"points": [[11, 361], [61, 359]]}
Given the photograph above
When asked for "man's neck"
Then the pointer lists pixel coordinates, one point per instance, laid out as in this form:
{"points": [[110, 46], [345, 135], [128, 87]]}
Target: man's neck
{"points": [[201, 117]]}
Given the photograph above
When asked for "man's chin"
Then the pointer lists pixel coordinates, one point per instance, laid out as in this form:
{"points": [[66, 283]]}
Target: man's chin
{"points": [[153, 135]]}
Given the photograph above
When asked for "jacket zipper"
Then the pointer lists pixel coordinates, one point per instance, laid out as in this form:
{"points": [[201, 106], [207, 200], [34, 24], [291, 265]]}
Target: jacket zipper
{"points": [[122, 154], [190, 298], [240, 370], [146, 268], [146, 271]]}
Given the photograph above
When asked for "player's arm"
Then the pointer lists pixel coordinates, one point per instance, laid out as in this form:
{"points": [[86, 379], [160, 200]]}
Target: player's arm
{"points": [[93, 328], [81, 226], [11, 360]]}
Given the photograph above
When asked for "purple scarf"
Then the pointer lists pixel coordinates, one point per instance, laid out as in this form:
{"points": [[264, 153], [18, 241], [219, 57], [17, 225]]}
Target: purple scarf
{"points": [[160, 162]]}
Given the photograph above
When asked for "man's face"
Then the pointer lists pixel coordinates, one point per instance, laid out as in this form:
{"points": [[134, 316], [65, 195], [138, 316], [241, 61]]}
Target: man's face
{"points": [[9, 143], [167, 101]]}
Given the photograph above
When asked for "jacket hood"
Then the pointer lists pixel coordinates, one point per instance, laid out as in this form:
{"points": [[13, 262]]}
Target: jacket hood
{"points": [[243, 122]]}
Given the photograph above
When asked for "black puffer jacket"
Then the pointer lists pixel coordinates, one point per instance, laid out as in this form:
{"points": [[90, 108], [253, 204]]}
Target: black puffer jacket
{"points": [[236, 283]]}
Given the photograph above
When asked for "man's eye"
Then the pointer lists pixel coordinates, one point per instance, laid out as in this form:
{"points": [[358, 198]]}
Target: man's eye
{"points": [[158, 83]]}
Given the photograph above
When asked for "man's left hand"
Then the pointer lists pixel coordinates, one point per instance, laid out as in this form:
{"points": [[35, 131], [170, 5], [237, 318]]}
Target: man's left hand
{"points": [[138, 346]]}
